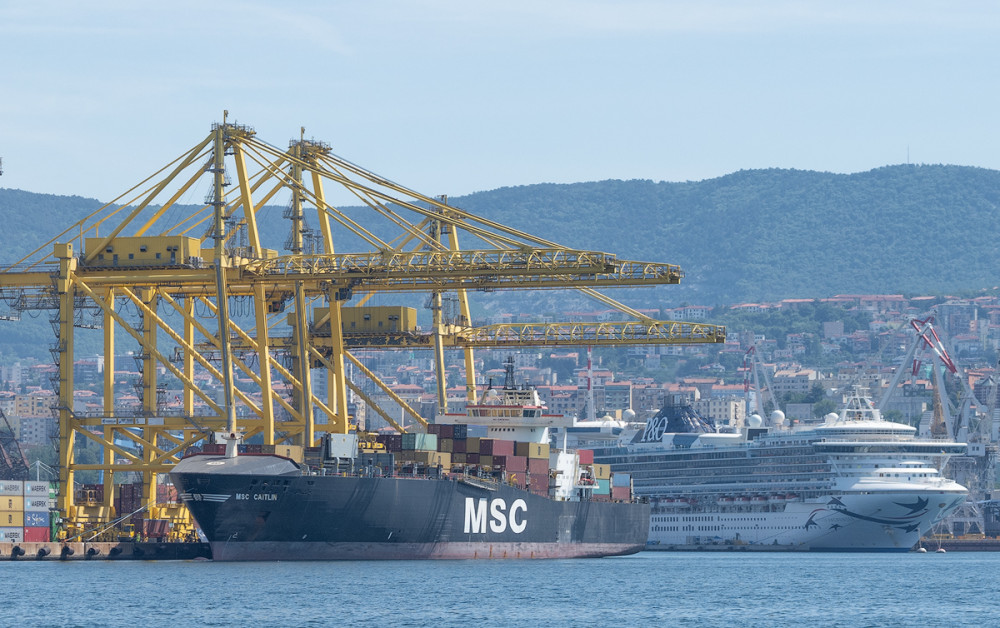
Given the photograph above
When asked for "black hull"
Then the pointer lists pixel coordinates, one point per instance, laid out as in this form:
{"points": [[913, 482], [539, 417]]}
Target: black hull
{"points": [[262, 508]]}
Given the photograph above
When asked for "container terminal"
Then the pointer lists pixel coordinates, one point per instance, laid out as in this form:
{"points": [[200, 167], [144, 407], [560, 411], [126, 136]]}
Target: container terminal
{"points": [[243, 338]]}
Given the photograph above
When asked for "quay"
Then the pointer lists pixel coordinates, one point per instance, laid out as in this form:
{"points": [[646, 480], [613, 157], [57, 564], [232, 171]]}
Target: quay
{"points": [[105, 551]]}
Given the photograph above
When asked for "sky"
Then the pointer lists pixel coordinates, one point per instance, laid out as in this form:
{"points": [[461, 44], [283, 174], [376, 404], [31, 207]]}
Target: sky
{"points": [[459, 96]]}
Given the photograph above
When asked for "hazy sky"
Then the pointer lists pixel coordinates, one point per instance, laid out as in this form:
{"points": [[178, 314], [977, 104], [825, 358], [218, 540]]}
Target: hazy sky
{"points": [[457, 96]]}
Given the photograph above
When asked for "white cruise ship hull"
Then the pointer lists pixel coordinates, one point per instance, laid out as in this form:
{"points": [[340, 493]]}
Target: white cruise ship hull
{"points": [[874, 521]]}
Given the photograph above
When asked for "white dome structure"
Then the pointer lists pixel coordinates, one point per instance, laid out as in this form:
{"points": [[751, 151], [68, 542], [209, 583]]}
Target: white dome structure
{"points": [[777, 418]]}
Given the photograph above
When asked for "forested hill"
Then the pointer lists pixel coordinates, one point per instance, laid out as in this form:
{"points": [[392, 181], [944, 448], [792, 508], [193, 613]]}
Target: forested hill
{"points": [[768, 234], [751, 235]]}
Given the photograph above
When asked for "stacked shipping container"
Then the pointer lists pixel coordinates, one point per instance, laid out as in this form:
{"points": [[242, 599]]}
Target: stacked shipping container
{"points": [[25, 511], [525, 465]]}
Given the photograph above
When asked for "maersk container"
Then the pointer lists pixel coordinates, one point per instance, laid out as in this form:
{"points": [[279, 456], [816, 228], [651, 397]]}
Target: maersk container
{"points": [[10, 518], [40, 489], [11, 534], [12, 487], [12, 503], [38, 504]]}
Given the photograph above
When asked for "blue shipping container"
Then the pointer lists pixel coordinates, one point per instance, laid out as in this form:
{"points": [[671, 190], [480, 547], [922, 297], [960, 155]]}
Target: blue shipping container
{"points": [[36, 519], [621, 479]]}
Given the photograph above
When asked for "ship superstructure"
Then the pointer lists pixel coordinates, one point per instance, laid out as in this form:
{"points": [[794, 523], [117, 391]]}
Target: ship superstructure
{"points": [[854, 482]]}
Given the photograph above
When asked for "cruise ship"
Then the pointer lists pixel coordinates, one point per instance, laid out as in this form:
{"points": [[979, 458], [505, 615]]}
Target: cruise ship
{"points": [[854, 482]]}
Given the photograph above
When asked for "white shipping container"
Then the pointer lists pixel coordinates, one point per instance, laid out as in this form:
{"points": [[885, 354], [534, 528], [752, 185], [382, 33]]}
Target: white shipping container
{"points": [[11, 535], [11, 487], [38, 504], [36, 488]]}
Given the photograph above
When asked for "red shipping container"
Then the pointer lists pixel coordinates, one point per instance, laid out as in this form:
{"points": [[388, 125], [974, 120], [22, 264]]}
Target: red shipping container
{"points": [[517, 464], [37, 535], [434, 428], [156, 528], [621, 493], [600, 498], [495, 447], [472, 458], [458, 446], [537, 466], [447, 431], [499, 462], [392, 442], [586, 456], [520, 480]]}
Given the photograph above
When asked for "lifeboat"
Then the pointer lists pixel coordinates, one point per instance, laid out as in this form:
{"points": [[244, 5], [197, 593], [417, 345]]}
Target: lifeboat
{"points": [[758, 500], [777, 498]]}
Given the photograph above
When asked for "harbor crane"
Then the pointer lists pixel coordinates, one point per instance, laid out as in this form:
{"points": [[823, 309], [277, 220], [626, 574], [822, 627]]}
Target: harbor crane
{"points": [[227, 326], [754, 367]]}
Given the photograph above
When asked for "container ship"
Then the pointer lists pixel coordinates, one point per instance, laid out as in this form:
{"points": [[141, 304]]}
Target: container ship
{"points": [[855, 482], [435, 495]]}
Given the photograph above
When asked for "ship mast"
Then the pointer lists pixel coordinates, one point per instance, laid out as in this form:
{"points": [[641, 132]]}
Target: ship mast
{"points": [[591, 410], [222, 296]]}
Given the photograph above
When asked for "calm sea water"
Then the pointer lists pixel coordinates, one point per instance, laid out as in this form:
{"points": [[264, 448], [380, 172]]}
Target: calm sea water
{"points": [[648, 589]]}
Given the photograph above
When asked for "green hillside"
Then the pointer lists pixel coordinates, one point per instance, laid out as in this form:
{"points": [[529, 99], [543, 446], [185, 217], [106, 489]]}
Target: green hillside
{"points": [[769, 234], [749, 236]]}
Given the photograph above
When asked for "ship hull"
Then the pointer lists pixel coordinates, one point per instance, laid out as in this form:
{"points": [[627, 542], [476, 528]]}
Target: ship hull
{"points": [[262, 508], [872, 522]]}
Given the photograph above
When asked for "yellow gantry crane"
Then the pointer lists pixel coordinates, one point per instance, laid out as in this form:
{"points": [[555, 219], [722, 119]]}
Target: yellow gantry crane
{"points": [[169, 278]]}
